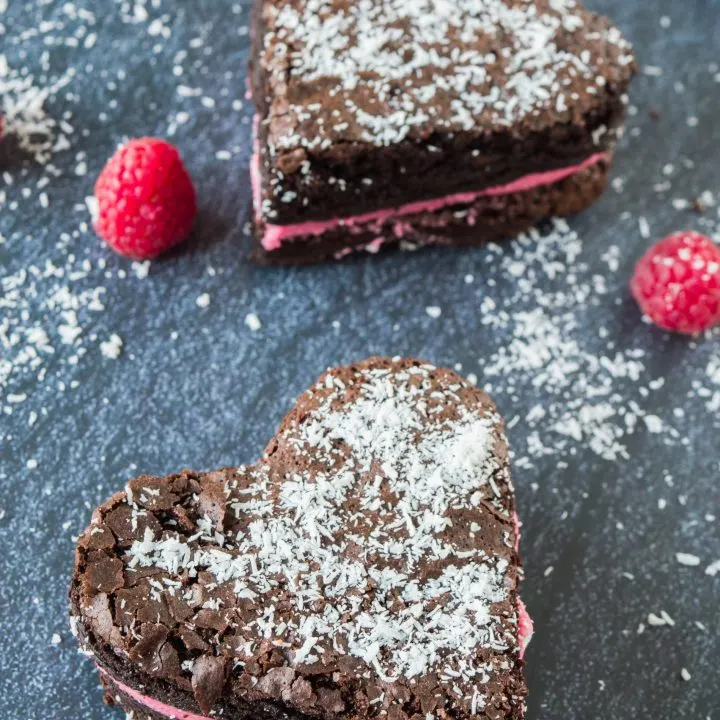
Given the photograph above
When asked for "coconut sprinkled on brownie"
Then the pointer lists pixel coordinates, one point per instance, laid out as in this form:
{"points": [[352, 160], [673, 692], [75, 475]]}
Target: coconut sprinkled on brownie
{"points": [[444, 97], [389, 68], [378, 527], [428, 471]]}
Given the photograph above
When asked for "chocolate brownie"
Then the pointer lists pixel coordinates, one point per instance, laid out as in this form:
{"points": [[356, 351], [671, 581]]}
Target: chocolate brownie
{"points": [[365, 567], [367, 108], [487, 219]]}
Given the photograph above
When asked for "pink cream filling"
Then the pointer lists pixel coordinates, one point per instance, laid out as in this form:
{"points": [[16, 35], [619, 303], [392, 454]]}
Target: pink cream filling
{"points": [[525, 623], [276, 235], [155, 705], [525, 633]]}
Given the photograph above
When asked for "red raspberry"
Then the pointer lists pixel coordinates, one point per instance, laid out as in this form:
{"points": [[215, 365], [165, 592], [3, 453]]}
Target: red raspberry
{"points": [[677, 283], [146, 200]]}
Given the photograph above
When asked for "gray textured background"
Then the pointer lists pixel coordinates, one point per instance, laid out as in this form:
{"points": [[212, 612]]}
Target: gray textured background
{"points": [[194, 387]]}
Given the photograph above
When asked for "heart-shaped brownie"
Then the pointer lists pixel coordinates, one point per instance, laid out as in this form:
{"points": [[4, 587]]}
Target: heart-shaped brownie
{"points": [[388, 123], [365, 567]]}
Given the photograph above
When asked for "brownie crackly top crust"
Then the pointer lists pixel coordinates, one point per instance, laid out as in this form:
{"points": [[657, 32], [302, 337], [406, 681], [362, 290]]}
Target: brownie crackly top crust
{"points": [[351, 92], [365, 567]]}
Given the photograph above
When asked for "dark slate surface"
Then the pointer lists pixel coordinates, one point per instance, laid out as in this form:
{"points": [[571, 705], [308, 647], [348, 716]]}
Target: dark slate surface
{"points": [[194, 387]]}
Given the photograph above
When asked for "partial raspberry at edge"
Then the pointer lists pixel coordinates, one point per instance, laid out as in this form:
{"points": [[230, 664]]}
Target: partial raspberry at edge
{"points": [[677, 283], [146, 199]]}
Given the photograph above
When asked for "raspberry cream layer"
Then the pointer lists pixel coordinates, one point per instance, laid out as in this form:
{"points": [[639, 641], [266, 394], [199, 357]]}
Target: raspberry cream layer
{"points": [[154, 705], [526, 628], [275, 236]]}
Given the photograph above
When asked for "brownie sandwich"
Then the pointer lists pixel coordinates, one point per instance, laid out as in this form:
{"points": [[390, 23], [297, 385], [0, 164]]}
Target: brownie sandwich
{"points": [[427, 121], [366, 567]]}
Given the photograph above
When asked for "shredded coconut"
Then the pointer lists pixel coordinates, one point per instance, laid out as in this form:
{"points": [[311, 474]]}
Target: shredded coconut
{"points": [[587, 392], [382, 46], [396, 440], [687, 559], [253, 322], [112, 348]]}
